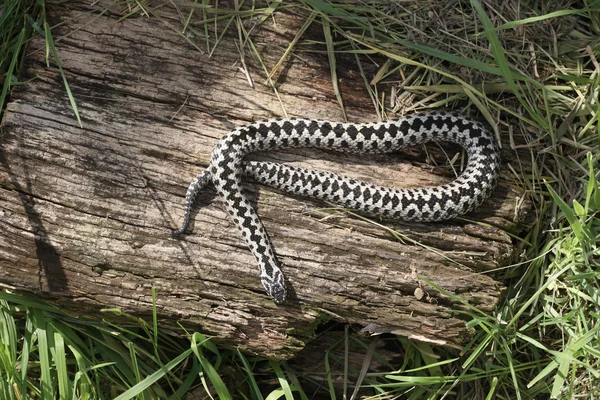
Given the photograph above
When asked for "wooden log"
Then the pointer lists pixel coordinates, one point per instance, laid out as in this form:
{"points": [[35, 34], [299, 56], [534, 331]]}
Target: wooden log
{"points": [[86, 212]]}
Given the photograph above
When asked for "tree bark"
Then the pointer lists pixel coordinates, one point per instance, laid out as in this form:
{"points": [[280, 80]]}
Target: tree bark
{"points": [[86, 212]]}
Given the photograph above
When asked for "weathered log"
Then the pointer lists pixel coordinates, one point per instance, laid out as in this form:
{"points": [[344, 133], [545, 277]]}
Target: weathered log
{"points": [[86, 212]]}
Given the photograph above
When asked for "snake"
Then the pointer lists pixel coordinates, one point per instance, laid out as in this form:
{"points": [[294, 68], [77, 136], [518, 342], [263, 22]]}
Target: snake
{"points": [[228, 168]]}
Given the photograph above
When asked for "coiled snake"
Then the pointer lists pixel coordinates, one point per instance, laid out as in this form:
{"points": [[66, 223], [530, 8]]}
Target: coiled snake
{"points": [[227, 166]]}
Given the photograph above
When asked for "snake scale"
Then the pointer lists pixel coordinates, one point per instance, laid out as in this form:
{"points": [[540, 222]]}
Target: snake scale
{"points": [[227, 167]]}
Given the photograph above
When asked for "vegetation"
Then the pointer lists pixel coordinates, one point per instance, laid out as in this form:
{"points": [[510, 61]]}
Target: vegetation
{"points": [[532, 67]]}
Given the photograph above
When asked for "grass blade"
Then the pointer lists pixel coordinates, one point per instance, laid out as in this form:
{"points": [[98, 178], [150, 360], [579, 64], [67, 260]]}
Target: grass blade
{"points": [[154, 377], [52, 48], [253, 385], [43, 332], [60, 362], [285, 386], [332, 64], [199, 341]]}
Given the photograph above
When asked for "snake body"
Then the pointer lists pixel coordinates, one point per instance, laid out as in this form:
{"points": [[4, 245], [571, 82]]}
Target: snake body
{"points": [[227, 166]]}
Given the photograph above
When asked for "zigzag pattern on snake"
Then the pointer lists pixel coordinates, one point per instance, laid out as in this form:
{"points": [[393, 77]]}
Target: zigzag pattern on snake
{"points": [[227, 166]]}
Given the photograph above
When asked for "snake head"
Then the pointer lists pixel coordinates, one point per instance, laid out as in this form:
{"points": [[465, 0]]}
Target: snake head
{"points": [[276, 288], [278, 294]]}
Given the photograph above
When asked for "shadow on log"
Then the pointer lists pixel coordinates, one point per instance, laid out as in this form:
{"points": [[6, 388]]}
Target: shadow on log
{"points": [[86, 212]]}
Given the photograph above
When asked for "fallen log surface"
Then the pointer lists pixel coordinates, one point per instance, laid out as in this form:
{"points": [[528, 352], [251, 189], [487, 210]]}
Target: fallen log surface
{"points": [[86, 211]]}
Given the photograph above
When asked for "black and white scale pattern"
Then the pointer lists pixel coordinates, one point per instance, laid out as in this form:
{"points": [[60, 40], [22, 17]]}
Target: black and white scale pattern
{"points": [[227, 166]]}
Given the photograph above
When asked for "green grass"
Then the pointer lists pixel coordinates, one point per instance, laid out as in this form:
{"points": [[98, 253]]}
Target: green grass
{"points": [[534, 68], [15, 27]]}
